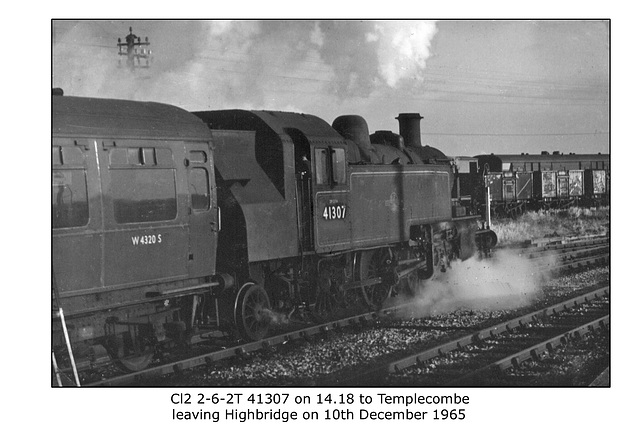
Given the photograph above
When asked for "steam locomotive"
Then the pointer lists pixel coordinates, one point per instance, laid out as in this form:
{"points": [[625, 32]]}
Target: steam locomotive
{"points": [[168, 224]]}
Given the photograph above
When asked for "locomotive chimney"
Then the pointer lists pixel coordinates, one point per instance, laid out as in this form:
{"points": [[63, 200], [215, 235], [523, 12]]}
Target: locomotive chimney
{"points": [[410, 129]]}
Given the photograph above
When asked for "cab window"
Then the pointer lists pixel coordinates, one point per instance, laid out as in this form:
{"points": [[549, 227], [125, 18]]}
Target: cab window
{"points": [[330, 170], [339, 166], [321, 166]]}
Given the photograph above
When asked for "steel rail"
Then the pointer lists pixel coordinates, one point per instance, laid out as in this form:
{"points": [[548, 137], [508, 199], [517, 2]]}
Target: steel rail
{"points": [[240, 350], [569, 252], [565, 250], [580, 263], [573, 259], [372, 375], [533, 352], [533, 250]]}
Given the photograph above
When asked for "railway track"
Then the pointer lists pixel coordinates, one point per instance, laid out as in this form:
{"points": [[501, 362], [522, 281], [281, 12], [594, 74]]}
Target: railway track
{"points": [[564, 253], [572, 254], [474, 358], [242, 350], [573, 258]]}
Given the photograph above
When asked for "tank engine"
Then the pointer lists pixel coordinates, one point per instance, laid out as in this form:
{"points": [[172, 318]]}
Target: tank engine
{"points": [[167, 224]]}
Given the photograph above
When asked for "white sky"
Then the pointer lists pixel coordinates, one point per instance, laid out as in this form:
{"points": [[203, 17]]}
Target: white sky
{"points": [[482, 86]]}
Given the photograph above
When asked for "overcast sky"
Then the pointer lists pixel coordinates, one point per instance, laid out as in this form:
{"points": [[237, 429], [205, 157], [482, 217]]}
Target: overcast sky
{"points": [[481, 86]]}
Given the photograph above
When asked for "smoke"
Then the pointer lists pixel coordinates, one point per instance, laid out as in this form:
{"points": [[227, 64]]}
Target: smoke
{"points": [[506, 281], [404, 49], [275, 318], [242, 64]]}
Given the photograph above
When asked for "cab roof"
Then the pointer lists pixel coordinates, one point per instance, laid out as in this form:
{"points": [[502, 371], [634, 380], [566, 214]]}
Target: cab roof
{"points": [[281, 123]]}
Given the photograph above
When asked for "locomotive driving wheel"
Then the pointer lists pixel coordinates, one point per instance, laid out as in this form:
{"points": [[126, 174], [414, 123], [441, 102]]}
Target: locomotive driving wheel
{"points": [[252, 310], [375, 264]]}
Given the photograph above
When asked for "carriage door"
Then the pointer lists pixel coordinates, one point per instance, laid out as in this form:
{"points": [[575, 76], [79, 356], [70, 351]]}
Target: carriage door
{"points": [[563, 184], [509, 189], [331, 203], [203, 211]]}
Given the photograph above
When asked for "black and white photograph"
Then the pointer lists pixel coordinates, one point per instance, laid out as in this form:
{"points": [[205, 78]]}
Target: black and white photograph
{"points": [[335, 221]]}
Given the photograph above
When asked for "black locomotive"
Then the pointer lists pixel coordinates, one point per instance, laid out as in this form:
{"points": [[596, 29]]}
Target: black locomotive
{"points": [[169, 224]]}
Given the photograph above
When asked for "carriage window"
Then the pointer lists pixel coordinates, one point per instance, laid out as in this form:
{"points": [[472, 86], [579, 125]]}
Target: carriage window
{"points": [[199, 188], [143, 195], [70, 206], [133, 157], [198, 156], [118, 156], [164, 157], [321, 166], [56, 156], [339, 166]]}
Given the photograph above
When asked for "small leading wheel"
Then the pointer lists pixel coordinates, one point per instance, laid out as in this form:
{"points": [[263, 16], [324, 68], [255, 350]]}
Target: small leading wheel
{"points": [[373, 264], [252, 312]]}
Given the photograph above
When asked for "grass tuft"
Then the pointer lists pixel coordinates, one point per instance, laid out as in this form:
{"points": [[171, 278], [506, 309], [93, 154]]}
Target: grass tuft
{"points": [[554, 222]]}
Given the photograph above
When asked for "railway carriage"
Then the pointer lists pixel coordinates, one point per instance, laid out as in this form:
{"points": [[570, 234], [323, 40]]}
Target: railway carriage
{"points": [[532, 181], [135, 223]]}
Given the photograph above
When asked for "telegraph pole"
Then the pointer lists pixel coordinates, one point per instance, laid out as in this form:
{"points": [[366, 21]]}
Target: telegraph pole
{"points": [[137, 52]]}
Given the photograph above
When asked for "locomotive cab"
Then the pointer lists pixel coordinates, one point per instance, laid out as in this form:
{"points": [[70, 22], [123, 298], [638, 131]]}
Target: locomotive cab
{"points": [[330, 197]]}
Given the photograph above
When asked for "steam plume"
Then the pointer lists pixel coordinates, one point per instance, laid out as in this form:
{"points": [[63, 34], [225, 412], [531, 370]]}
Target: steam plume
{"points": [[242, 64], [505, 282]]}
